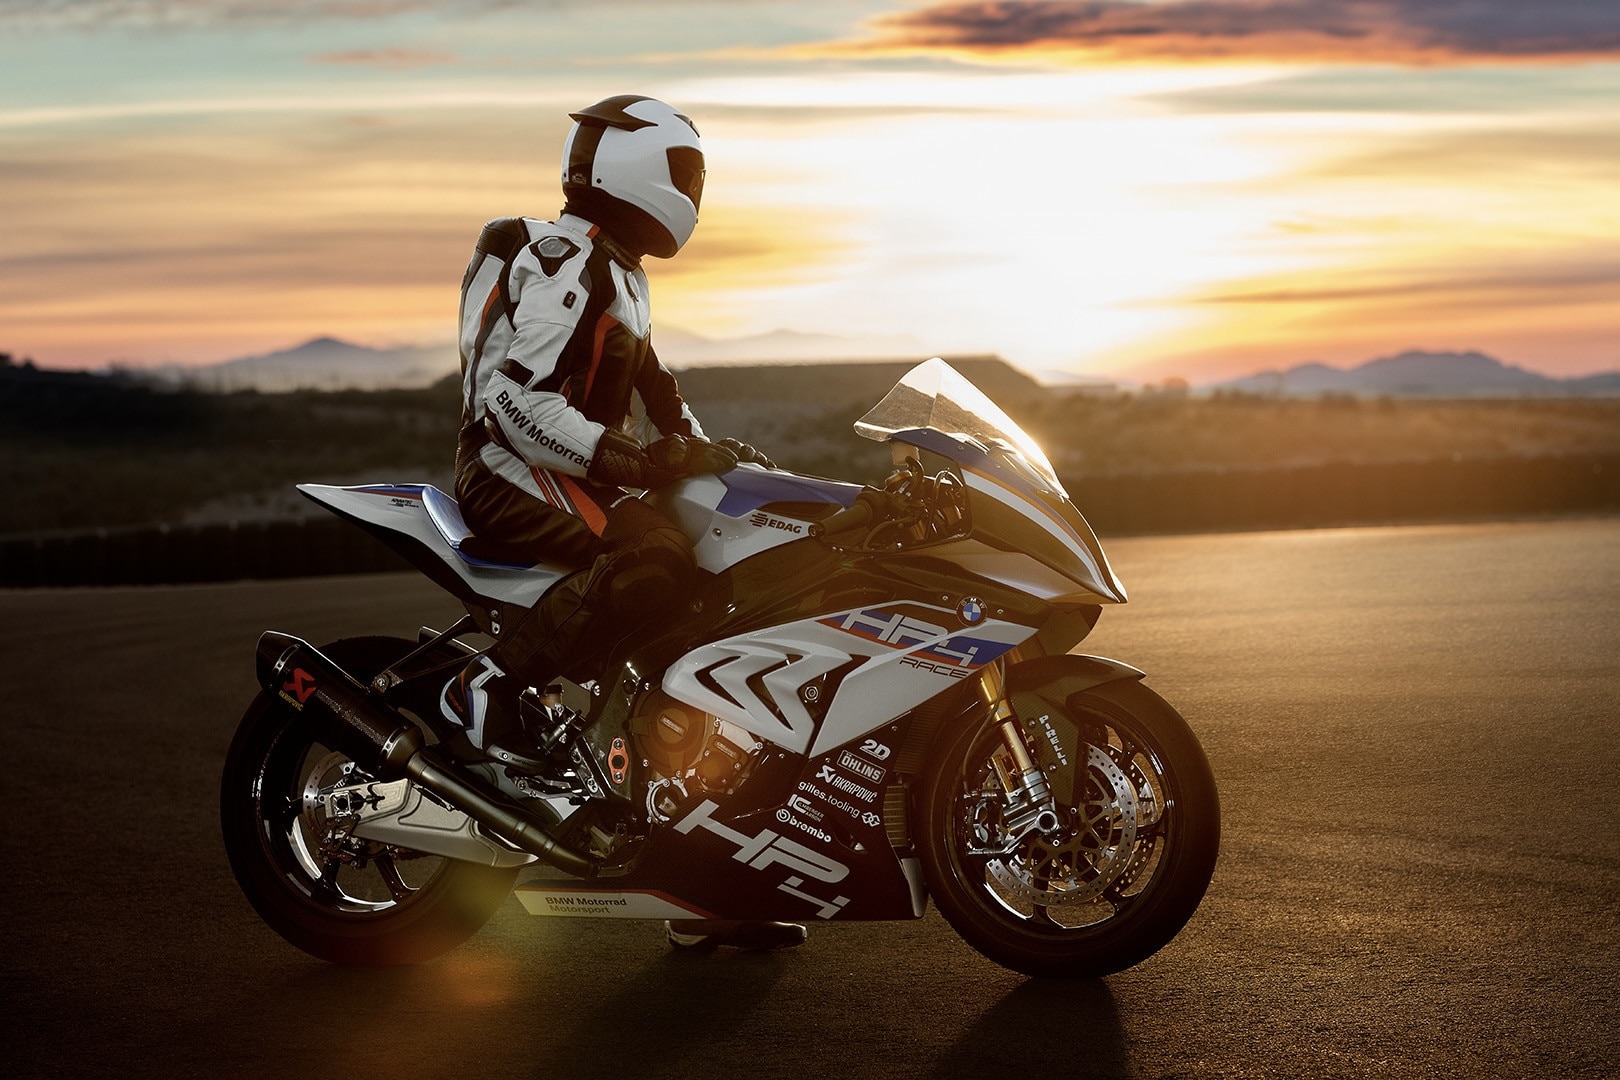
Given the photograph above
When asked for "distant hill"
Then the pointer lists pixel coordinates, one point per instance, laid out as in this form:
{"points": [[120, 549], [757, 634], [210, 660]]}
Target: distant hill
{"points": [[863, 382], [324, 363], [1422, 374], [682, 348], [327, 363]]}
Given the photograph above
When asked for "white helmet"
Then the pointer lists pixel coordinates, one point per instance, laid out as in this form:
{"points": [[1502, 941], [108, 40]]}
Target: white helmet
{"points": [[634, 166]]}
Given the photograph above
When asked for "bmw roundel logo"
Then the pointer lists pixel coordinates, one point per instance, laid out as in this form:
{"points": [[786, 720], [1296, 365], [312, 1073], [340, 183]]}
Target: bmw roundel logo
{"points": [[970, 610]]}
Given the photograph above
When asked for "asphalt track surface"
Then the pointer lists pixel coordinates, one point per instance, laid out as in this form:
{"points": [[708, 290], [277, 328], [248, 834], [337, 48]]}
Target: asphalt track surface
{"points": [[1414, 731]]}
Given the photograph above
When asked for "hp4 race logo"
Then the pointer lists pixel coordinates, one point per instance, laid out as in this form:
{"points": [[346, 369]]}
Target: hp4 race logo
{"points": [[769, 849]]}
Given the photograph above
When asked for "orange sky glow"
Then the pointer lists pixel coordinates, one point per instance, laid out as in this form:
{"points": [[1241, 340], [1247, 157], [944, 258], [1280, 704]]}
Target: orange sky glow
{"points": [[1122, 189]]}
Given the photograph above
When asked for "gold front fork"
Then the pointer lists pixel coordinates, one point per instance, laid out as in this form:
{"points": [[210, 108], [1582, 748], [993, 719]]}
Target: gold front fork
{"points": [[1025, 777]]}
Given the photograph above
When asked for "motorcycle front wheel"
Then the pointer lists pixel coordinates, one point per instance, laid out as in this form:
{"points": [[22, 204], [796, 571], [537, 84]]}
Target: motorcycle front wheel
{"points": [[1115, 868], [336, 896]]}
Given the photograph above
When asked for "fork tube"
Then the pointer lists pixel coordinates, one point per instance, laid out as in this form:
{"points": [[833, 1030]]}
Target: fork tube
{"points": [[1033, 780]]}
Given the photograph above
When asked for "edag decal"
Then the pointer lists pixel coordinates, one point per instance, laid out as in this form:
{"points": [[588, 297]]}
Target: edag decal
{"points": [[761, 520]]}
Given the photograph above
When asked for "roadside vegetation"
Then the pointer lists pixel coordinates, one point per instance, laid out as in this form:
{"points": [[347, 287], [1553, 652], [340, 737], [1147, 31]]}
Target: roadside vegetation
{"points": [[82, 450]]}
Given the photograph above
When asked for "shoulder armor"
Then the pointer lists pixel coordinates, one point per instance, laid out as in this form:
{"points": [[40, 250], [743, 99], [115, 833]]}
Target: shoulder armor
{"points": [[503, 238]]}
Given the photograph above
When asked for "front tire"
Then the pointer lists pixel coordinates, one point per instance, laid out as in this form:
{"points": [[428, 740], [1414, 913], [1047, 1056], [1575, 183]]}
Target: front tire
{"points": [[1120, 871], [337, 897]]}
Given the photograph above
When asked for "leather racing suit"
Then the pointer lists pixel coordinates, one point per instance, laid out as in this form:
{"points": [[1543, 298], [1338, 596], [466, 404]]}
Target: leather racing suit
{"points": [[556, 349]]}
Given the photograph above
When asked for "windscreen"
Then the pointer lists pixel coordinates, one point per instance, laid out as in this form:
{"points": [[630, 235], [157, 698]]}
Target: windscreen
{"points": [[934, 395]]}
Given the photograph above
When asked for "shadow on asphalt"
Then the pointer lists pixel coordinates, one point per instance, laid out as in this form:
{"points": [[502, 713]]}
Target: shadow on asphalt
{"points": [[1044, 1027]]}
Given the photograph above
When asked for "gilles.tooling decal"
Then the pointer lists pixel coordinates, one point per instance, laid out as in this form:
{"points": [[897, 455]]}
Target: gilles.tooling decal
{"points": [[868, 818]]}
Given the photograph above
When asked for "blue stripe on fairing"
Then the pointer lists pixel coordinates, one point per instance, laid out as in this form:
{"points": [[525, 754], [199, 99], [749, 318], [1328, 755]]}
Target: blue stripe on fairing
{"points": [[982, 650], [749, 489]]}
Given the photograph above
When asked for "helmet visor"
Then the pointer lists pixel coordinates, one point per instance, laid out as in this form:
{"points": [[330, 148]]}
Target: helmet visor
{"points": [[686, 172]]}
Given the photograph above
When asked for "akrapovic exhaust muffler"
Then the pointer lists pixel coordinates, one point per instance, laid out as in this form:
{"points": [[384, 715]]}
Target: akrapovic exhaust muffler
{"points": [[380, 739]]}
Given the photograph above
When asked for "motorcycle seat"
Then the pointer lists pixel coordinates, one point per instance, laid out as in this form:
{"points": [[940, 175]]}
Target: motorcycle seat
{"points": [[445, 513]]}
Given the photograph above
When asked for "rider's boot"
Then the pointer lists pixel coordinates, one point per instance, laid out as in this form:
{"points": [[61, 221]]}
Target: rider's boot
{"points": [[700, 934], [483, 700], [553, 635]]}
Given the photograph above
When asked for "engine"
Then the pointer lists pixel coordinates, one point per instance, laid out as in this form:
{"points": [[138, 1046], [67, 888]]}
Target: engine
{"points": [[690, 750]]}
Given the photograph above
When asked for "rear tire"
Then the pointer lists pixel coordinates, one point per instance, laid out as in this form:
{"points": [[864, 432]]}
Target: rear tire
{"points": [[1125, 867], [344, 900]]}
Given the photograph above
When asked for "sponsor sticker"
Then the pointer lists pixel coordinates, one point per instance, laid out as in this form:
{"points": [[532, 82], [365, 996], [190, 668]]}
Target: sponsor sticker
{"points": [[861, 767], [759, 519], [298, 688], [830, 776]]}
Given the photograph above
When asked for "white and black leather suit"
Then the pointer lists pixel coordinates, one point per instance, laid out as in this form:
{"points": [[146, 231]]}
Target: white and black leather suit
{"points": [[556, 355]]}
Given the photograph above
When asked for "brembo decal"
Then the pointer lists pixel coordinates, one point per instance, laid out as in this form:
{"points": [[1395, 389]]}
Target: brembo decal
{"points": [[770, 849]]}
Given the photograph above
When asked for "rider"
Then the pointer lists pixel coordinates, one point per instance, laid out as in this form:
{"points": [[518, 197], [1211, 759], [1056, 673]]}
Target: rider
{"points": [[565, 406]]}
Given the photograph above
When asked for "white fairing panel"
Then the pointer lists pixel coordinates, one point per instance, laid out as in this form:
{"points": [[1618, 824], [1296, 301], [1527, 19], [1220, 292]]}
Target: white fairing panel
{"points": [[429, 516], [906, 654], [725, 516]]}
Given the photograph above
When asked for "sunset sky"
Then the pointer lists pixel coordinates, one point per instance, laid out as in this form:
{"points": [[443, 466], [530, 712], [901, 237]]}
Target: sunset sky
{"points": [[1118, 188]]}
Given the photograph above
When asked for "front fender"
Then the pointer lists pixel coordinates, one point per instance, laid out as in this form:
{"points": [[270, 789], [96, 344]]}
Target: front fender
{"points": [[1047, 683]]}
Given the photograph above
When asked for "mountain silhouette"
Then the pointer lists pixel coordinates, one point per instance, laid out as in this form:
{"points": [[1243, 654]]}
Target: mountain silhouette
{"points": [[1417, 373]]}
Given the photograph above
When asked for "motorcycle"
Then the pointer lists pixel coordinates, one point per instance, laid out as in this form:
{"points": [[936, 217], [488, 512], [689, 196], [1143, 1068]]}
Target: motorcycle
{"points": [[870, 701]]}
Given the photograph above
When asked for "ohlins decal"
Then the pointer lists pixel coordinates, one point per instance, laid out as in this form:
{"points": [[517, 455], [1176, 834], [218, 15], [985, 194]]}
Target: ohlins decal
{"points": [[860, 766], [770, 849], [535, 433], [761, 520]]}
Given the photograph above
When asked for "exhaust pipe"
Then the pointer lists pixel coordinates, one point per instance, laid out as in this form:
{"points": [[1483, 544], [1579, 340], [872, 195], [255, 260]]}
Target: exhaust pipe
{"points": [[372, 733]]}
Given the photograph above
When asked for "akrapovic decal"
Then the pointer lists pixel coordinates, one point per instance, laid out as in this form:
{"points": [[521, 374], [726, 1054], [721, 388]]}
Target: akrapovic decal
{"points": [[298, 688], [829, 775]]}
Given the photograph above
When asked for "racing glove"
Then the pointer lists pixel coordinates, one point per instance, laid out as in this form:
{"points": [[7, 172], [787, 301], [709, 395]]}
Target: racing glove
{"points": [[620, 461], [747, 454]]}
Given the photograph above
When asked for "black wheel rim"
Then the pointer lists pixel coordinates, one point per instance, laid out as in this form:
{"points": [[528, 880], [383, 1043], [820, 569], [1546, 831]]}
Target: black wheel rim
{"points": [[311, 852]]}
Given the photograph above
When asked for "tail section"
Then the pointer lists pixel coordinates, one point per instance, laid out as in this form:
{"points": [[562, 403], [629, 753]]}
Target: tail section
{"points": [[425, 526]]}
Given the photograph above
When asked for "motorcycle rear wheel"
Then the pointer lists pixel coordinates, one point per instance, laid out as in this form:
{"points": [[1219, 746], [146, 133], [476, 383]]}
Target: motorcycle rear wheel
{"points": [[1123, 869], [342, 899]]}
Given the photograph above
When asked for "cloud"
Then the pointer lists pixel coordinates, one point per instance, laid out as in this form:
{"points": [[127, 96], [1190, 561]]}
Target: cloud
{"points": [[1526, 284], [393, 59], [191, 14], [1417, 32]]}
